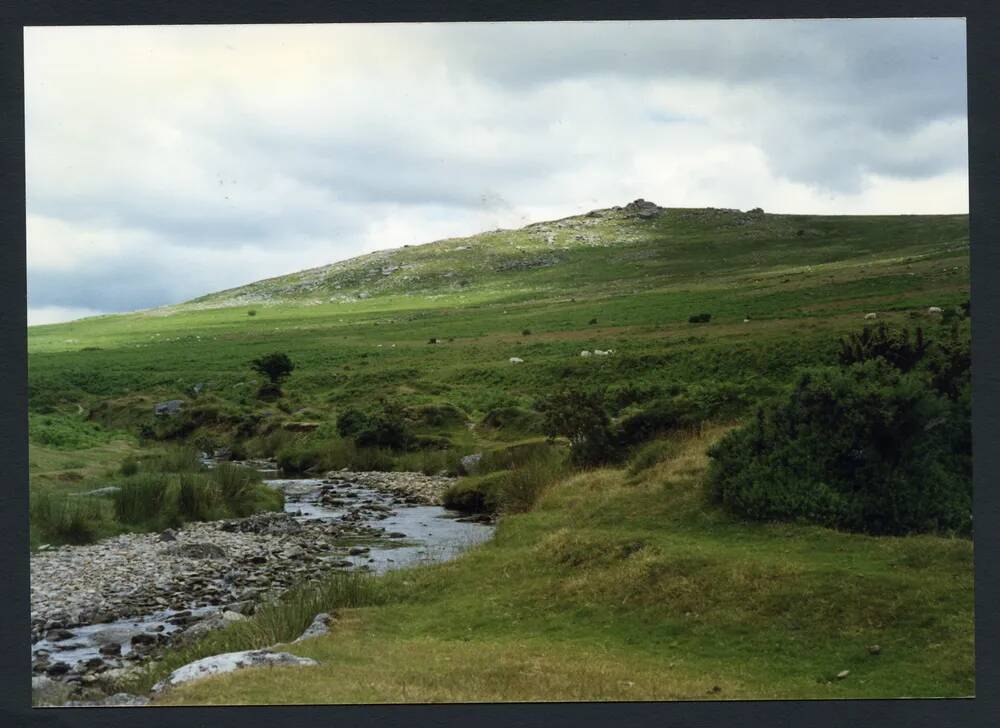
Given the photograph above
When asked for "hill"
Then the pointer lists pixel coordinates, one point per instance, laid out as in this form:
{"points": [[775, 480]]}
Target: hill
{"points": [[621, 582]]}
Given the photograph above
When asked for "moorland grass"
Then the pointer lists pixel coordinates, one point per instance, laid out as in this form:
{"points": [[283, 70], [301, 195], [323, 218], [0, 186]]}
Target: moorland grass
{"points": [[623, 589]]}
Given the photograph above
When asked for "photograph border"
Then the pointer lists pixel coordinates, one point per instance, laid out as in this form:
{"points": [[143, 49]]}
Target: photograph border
{"points": [[982, 32]]}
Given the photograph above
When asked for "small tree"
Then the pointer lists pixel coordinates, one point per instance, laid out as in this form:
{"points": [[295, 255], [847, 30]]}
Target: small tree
{"points": [[276, 367]]}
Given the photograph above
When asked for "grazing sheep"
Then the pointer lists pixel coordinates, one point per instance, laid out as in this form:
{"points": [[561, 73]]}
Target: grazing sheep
{"points": [[516, 360], [871, 316], [934, 309], [598, 352], [584, 353]]}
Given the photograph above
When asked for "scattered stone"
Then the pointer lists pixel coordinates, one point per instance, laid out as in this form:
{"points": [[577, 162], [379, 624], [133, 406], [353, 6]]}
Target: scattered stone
{"points": [[229, 662], [111, 649], [842, 674], [358, 550], [874, 650], [168, 535], [56, 635]]}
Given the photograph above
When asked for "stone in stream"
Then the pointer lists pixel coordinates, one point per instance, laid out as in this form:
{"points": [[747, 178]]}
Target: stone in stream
{"points": [[229, 662], [57, 668], [56, 635], [111, 649]]}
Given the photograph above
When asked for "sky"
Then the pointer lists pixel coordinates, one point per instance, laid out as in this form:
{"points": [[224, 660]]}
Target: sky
{"points": [[167, 162]]}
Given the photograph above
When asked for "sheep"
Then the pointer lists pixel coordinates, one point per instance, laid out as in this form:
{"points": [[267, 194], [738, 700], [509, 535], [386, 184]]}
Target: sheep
{"points": [[934, 309], [871, 316], [584, 353], [516, 360], [598, 352]]}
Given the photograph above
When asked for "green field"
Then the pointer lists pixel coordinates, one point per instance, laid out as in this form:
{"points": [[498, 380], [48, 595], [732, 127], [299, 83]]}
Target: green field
{"points": [[617, 583]]}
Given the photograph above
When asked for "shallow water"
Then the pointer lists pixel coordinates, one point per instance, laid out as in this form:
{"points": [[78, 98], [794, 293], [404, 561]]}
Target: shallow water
{"points": [[429, 534]]}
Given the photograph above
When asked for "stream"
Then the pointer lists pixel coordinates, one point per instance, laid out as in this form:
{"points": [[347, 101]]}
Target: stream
{"points": [[342, 525]]}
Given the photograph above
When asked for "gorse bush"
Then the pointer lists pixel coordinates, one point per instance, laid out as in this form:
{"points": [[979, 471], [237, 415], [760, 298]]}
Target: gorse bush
{"points": [[893, 346], [865, 448]]}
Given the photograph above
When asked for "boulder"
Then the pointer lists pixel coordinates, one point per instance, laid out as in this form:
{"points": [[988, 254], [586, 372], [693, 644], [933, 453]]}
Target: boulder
{"points": [[471, 462], [168, 408], [319, 627], [230, 662], [642, 208]]}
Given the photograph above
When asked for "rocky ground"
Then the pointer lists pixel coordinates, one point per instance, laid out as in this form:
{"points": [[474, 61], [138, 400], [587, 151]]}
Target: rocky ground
{"points": [[413, 487], [100, 609]]}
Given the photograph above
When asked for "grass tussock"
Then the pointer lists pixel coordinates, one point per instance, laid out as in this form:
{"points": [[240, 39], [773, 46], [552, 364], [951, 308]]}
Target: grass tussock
{"points": [[279, 621], [163, 491]]}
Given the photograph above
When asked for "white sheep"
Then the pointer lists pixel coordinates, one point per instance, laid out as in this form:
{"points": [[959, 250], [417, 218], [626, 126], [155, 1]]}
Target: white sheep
{"points": [[934, 309], [598, 352], [584, 353], [516, 360], [871, 316]]}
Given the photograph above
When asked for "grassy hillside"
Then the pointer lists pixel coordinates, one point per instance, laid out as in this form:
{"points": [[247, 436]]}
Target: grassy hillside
{"points": [[619, 588], [363, 326], [616, 583]]}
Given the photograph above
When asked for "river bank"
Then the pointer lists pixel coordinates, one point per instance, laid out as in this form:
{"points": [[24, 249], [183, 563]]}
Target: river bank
{"points": [[100, 610]]}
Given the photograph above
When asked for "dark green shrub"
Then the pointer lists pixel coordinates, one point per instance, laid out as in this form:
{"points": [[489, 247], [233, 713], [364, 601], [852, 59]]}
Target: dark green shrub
{"points": [[865, 448], [251, 312], [386, 428], [662, 417], [526, 332], [276, 367], [580, 417], [700, 318], [351, 421], [949, 363], [874, 342]]}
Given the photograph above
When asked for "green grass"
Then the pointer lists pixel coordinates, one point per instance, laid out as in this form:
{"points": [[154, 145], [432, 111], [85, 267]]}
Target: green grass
{"points": [[618, 589], [611, 584]]}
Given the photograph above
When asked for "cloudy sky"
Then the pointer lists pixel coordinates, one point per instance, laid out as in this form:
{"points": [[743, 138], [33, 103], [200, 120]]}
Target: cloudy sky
{"points": [[168, 162]]}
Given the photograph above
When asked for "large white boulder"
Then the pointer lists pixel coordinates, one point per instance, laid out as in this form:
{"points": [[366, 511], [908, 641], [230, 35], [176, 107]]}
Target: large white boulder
{"points": [[230, 662]]}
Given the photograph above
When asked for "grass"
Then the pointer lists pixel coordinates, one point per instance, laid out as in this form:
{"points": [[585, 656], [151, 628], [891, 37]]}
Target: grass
{"points": [[604, 584], [616, 589], [164, 490]]}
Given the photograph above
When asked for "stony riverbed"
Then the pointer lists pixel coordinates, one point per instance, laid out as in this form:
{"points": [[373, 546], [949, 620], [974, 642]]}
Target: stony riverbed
{"points": [[98, 609]]}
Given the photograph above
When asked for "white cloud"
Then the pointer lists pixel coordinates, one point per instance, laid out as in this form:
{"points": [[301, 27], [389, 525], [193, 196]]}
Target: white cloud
{"points": [[168, 162]]}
